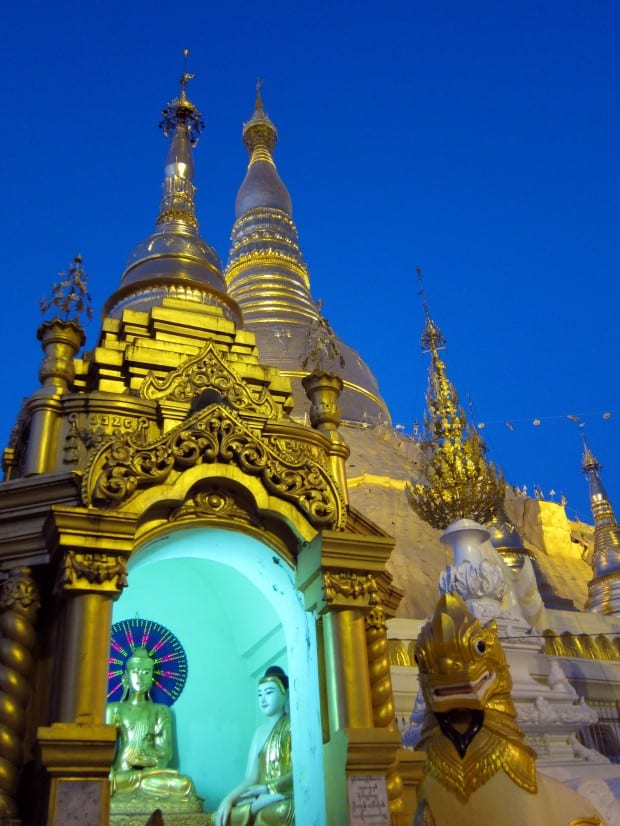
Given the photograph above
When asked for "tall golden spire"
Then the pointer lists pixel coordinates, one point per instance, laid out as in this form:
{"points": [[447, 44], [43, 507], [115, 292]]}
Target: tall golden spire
{"points": [[604, 588], [262, 186], [460, 483], [174, 260], [267, 275]]}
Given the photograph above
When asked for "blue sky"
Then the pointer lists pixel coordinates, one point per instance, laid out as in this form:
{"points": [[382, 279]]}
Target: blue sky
{"points": [[478, 140]]}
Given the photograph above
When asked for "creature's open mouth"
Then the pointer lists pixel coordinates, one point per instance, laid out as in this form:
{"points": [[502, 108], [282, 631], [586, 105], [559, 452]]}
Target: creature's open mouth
{"points": [[464, 689], [461, 726]]}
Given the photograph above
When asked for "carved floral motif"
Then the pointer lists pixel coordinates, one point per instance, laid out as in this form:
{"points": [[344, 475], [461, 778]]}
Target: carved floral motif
{"points": [[208, 371], [96, 569], [349, 585], [19, 593], [216, 433], [474, 581], [216, 503]]}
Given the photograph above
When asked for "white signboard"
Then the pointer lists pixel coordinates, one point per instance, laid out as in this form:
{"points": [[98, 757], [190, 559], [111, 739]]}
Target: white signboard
{"points": [[368, 801]]}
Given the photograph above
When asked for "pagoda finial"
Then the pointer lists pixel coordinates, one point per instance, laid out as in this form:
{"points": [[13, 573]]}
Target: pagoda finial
{"points": [[259, 134], [431, 339], [322, 353], [604, 588], [183, 120], [70, 294], [174, 259], [181, 111], [258, 103], [589, 461], [459, 482]]}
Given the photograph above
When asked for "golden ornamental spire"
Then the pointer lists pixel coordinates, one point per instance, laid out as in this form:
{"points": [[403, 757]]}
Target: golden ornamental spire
{"points": [[259, 134], [174, 260], [70, 294], [181, 112], [183, 121], [322, 352], [604, 588], [460, 483]]}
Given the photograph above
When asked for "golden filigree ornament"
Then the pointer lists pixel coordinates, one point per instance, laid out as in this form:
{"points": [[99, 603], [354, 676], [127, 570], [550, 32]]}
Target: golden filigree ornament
{"points": [[208, 371], [460, 482], [322, 353], [70, 294], [215, 434], [469, 731], [349, 585]]}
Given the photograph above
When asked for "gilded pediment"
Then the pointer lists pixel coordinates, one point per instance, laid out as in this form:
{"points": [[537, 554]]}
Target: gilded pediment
{"points": [[209, 371], [293, 468]]}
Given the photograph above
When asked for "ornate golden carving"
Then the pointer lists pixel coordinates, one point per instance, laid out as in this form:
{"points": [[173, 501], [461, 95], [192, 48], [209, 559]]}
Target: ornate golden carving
{"points": [[216, 433], [460, 483], [349, 585], [217, 503], [93, 570], [19, 603], [208, 371], [71, 448]]}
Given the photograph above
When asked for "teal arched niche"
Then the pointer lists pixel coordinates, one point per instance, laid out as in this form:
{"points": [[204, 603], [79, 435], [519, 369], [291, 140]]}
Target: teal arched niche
{"points": [[232, 603]]}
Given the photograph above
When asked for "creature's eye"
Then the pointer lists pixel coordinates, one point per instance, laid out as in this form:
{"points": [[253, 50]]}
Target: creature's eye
{"points": [[480, 646], [420, 663]]}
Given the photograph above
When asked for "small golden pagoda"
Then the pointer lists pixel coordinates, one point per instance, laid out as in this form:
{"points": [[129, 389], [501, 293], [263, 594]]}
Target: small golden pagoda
{"points": [[159, 481], [604, 588]]}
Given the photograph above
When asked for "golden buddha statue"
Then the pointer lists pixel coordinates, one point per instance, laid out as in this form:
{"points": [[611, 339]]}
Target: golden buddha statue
{"points": [[140, 775], [265, 797]]}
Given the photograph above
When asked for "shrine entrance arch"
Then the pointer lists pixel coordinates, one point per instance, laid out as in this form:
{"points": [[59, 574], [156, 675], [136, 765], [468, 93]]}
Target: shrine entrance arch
{"points": [[232, 602]]}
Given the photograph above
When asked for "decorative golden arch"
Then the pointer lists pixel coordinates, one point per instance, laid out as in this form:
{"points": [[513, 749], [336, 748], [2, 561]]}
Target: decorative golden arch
{"points": [[287, 465], [238, 424]]}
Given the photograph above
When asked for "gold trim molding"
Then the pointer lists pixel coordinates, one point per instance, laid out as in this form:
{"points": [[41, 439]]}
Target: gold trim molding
{"points": [[286, 467]]}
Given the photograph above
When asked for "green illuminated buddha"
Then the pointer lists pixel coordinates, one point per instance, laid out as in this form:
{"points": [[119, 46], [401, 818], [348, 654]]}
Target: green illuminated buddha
{"points": [[140, 774], [265, 797]]}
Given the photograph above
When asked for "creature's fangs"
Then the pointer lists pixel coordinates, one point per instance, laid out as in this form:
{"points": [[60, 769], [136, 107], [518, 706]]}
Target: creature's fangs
{"points": [[463, 688]]}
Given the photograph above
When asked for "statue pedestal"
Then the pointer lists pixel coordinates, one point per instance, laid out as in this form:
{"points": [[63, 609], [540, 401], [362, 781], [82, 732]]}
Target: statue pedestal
{"points": [[169, 819]]}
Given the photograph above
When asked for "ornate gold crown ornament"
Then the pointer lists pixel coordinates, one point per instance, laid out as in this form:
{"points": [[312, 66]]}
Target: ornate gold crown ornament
{"points": [[460, 482]]}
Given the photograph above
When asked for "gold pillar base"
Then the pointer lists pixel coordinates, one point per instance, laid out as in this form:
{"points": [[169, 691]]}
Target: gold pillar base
{"points": [[77, 758], [361, 752], [411, 769]]}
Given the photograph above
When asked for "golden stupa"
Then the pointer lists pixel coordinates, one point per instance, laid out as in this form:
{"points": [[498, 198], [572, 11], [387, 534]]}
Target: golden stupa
{"points": [[220, 469]]}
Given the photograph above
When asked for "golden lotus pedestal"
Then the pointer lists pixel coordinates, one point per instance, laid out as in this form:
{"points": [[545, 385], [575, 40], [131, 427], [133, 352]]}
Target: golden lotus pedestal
{"points": [[137, 808], [168, 818]]}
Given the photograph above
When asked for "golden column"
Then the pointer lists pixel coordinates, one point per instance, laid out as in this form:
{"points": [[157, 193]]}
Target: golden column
{"points": [[384, 715], [60, 341], [19, 603], [78, 747], [338, 575], [323, 389]]}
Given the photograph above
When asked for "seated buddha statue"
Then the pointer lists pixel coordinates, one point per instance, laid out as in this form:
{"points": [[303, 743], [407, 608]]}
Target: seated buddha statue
{"points": [[140, 775], [265, 797]]}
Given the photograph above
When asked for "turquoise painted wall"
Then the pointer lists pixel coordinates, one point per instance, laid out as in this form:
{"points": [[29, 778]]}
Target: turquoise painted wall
{"points": [[232, 603]]}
